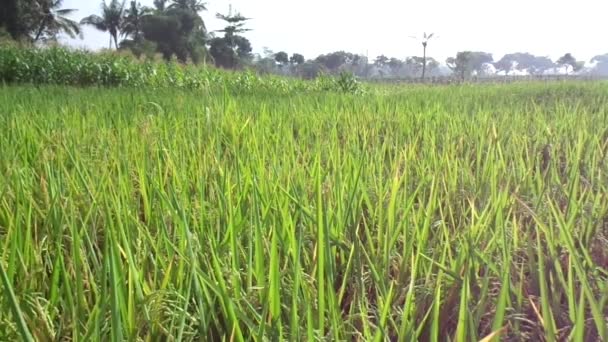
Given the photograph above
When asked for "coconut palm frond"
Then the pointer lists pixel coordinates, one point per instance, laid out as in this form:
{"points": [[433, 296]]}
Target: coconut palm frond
{"points": [[95, 21]]}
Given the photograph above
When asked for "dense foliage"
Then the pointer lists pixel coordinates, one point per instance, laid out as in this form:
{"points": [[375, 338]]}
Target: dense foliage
{"points": [[37, 20], [67, 67], [426, 213]]}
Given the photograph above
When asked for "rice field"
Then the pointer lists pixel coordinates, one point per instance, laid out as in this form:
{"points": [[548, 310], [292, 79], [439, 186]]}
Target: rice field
{"points": [[455, 213]]}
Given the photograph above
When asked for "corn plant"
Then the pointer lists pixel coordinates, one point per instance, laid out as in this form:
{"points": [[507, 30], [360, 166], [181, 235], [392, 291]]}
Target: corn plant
{"points": [[61, 66]]}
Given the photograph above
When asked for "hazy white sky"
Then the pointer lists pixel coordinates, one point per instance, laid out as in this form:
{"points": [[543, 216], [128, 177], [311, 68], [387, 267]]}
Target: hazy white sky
{"points": [[542, 27]]}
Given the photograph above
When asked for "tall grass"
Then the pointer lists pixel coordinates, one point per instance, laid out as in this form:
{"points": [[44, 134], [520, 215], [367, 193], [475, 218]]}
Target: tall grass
{"points": [[425, 213]]}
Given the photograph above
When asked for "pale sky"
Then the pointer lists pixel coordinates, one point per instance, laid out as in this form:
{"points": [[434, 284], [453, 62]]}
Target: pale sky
{"points": [[311, 27]]}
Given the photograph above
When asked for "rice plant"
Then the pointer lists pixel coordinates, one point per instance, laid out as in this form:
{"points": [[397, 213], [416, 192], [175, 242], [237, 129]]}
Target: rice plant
{"points": [[414, 213]]}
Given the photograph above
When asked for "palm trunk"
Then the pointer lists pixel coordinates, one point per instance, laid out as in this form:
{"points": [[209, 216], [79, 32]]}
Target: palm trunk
{"points": [[40, 29], [110, 42], [423, 60], [116, 41]]}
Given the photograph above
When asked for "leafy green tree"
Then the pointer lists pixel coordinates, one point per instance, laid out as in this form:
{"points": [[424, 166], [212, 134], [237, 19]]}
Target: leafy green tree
{"points": [[468, 62], [232, 49], [480, 61], [506, 63], [13, 20], [296, 59], [34, 20], [282, 58], [524, 62], [265, 64], [231, 53], [54, 20], [357, 65], [395, 64], [381, 61], [310, 70], [111, 19], [416, 64], [176, 32], [165, 32], [568, 61], [460, 65], [177, 29], [538, 65], [601, 65], [140, 47], [335, 60], [432, 65]]}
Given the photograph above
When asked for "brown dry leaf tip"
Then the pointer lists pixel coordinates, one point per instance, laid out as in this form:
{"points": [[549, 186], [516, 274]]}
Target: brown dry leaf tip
{"points": [[536, 311], [494, 336]]}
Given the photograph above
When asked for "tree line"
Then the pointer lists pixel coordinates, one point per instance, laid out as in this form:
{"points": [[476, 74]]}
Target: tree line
{"points": [[464, 65], [176, 29]]}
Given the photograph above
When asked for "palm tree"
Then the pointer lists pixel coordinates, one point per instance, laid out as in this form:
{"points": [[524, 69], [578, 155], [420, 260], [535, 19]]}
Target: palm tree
{"points": [[192, 5], [110, 20], [54, 20], [132, 21], [424, 40], [236, 23]]}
